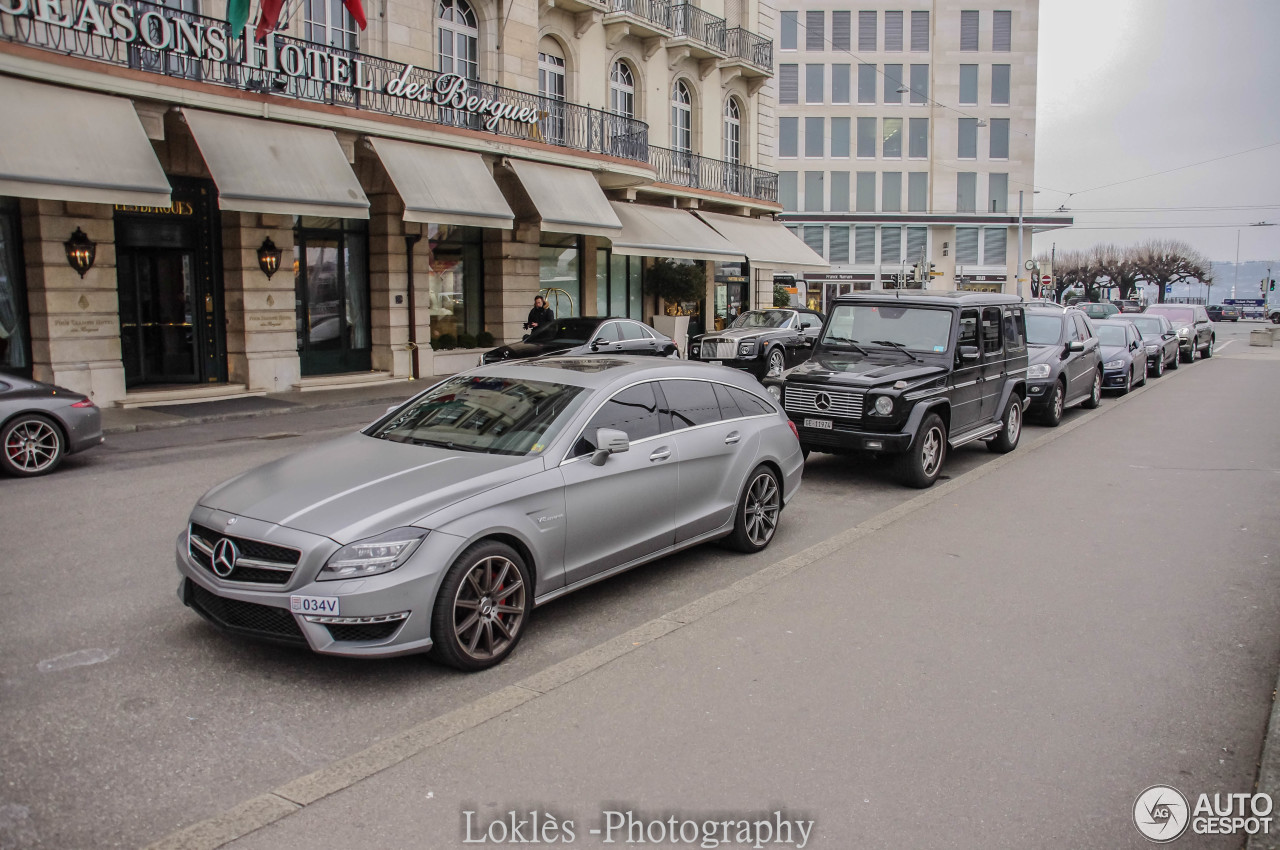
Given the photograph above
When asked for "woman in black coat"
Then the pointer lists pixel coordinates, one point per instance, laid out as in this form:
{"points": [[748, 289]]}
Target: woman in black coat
{"points": [[540, 314]]}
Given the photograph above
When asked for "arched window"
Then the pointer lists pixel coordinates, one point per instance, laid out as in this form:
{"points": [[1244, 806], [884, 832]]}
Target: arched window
{"points": [[622, 90], [459, 39], [681, 118], [733, 131]]}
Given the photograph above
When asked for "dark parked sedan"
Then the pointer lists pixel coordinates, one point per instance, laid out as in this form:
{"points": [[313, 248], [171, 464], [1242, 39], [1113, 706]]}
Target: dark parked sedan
{"points": [[1223, 313], [40, 424], [1065, 365], [1160, 341], [1124, 359], [586, 335]]}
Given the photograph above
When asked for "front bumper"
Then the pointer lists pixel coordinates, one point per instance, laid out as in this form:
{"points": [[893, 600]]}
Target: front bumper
{"points": [[1114, 380], [264, 611], [849, 437], [1039, 394], [755, 364]]}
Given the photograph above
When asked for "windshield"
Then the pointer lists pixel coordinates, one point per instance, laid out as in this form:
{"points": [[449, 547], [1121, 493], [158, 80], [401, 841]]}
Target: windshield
{"points": [[1173, 314], [1111, 335], [914, 328], [484, 414], [1099, 311], [1147, 327], [763, 319], [1043, 330], [566, 331]]}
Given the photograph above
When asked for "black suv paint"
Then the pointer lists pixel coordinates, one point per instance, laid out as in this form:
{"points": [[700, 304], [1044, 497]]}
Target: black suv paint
{"points": [[1065, 363], [761, 341], [911, 374]]}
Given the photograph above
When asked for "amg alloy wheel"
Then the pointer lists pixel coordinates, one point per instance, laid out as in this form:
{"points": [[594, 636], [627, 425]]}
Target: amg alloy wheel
{"points": [[920, 465], [1007, 439], [756, 517], [32, 445], [481, 607]]}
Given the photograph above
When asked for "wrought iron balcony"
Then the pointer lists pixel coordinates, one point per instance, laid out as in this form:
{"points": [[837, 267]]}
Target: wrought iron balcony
{"points": [[653, 15], [749, 48], [679, 168], [703, 28], [364, 87]]}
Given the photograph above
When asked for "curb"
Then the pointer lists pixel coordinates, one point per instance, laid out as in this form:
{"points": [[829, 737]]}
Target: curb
{"points": [[1269, 773], [178, 422]]}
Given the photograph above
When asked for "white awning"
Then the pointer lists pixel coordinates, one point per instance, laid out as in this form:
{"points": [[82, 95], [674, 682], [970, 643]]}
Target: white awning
{"points": [[444, 186], [665, 232], [66, 145], [569, 200], [765, 242], [274, 167]]}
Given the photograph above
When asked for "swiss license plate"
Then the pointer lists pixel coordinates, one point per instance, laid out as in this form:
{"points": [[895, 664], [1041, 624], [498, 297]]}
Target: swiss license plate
{"points": [[716, 362], [326, 605], [818, 423]]}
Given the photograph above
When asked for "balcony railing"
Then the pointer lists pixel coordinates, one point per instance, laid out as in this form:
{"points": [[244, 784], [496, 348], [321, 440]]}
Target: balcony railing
{"points": [[749, 47], [679, 168], [557, 122], [654, 11], [688, 20]]}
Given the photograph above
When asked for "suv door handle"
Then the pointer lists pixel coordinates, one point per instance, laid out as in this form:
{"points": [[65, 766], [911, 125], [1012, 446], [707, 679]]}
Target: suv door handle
{"points": [[660, 454], [733, 437]]}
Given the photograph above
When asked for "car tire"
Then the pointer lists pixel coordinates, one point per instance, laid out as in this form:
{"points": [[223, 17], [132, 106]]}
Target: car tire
{"points": [[1159, 373], [1187, 356], [1208, 350], [1095, 397], [1142, 374], [759, 509], [31, 445], [920, 465], [1173, 363], [776, 362], [481, 581], [1006, 440], [1057, 405]]}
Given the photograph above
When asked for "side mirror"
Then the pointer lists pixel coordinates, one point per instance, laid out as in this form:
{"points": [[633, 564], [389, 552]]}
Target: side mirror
{"points": [[1075, 345], [392, 407], [597, 342], [610, 441], [969, 352]]}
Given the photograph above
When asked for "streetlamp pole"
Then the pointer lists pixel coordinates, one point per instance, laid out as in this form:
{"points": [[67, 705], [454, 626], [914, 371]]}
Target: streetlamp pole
{"points": [[1020, 191]]}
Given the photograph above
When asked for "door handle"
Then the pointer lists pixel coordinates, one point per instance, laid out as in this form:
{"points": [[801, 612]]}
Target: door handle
{"points": [[660, 454], [733, 437]]}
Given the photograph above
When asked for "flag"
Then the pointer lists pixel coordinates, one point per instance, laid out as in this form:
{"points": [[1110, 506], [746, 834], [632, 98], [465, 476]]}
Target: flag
{"points": [[357, 12], [268, 18], [237, 16]]}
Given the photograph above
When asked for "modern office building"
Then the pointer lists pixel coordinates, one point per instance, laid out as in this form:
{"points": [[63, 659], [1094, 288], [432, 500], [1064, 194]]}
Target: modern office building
{"points": [[182, 216], [906, 135]]}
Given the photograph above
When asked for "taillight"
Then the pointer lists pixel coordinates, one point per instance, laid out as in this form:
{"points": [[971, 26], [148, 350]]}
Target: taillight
{"points": [[88, 402], [792, 426]]}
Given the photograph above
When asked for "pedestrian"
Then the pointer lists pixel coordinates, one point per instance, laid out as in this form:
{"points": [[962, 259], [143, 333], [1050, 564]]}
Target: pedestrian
{"points": [[540, 314]]}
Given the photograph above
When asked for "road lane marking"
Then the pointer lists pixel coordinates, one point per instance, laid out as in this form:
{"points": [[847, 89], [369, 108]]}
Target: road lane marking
{"points": [[285, 800]]}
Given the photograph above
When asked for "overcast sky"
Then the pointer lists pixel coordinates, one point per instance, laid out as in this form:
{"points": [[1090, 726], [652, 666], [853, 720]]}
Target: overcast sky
{"points": [[1128, 88]]}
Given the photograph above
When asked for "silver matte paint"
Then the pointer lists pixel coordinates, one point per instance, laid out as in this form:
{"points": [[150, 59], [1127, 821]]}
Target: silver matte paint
{"points": [[577, 522]]}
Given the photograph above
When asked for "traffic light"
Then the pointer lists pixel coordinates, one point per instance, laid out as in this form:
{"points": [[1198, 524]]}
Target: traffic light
{"points": [[915, 273], [1273, 284]]}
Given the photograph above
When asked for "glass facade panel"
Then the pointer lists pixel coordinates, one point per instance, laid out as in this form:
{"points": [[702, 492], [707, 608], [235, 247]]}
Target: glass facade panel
{"points": [[559, 277], [455, 281], [15, 334]]}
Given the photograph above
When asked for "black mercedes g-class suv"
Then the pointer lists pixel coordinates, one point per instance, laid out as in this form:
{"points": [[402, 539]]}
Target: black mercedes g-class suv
{"points": [[911, 373]]}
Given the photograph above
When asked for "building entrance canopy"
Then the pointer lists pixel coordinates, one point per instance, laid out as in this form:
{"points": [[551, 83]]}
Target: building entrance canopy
{"points": [[664, 232], [766, 243], [569, 200], [443, 186], [64, 145], [273, 167]]}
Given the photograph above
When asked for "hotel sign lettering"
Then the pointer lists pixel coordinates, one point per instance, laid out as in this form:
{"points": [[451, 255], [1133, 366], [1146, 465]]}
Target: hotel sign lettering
{"points": [[180, 34]]}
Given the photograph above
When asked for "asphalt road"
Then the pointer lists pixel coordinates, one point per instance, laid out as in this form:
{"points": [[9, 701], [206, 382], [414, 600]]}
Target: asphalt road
{"points": [[123, 716]]}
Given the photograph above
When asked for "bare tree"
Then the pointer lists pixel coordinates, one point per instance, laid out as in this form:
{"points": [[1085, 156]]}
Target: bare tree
{"points": [[1166, 261], [1075, 269], [1119, 265]]}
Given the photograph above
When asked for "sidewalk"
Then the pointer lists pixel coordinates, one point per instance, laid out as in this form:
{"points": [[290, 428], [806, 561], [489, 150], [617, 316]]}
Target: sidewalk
{"points": [[959, 674], [117, 420]]}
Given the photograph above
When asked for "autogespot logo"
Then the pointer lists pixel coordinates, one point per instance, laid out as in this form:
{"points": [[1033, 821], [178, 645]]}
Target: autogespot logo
{"points": [[1161, 813]]}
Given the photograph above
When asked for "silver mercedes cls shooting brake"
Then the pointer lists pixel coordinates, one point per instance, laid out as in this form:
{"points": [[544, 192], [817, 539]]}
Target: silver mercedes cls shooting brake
{"points": [[440, 526]]}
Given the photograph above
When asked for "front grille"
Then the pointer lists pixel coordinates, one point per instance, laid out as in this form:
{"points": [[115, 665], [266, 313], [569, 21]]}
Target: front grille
{"points": [[800, 399], [364, 631], [267, 556], [245, 617], [715, 350]]}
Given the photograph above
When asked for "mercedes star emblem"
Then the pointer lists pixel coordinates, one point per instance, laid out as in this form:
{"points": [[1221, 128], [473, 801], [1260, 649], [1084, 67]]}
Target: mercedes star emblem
{"points": [[822, 401], [225, 555]]}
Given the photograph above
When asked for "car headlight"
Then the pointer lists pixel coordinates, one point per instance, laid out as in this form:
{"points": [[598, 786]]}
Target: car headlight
{"points": [[746, 349], [1153, 346], [1113, 364], [1038, 370], [373, 556], [884, 405], [775, 391], [1184, 332], [695, 350]]}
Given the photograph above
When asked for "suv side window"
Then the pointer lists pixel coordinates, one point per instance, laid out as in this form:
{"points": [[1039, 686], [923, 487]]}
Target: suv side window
{"points": [[991, 330], [633, 411], [689, 403], [968, 328], [1083, 328], [1015, 329]]}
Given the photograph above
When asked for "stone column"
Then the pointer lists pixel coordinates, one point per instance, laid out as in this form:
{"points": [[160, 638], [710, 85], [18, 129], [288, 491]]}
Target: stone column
{"points": [[389, 281], [75, 322], [510, 280], [588, 268], [262, 337]]}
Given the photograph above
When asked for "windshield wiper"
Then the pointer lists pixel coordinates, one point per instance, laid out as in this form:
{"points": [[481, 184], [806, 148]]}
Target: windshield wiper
{"points": [[443, 444], [898, 346], [843, 341]]}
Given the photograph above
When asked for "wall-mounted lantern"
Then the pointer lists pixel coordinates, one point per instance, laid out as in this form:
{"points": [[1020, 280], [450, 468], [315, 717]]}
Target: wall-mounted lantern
{"points": [[269, 257], [81, 251]]}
